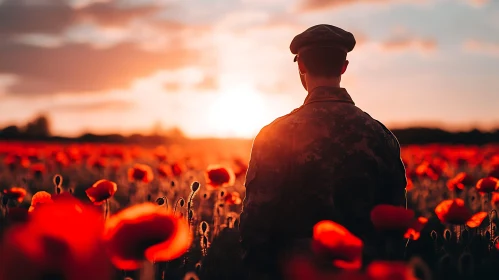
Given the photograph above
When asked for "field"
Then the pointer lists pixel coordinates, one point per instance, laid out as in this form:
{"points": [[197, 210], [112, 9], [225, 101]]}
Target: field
{"points": [[57, 240]]}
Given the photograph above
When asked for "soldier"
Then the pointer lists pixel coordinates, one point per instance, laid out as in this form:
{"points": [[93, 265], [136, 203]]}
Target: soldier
{"points": [[326, 160]]}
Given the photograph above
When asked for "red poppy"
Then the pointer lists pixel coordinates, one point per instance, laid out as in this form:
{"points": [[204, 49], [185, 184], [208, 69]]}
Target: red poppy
{"points": [[140, 173], [459, 181], [15, 193], [336, 242], [233, 198], [101, 191], [38, 169], [453, 212], [60, 240], [176, 169], [410, 185], [395, 218], [217, 176], [495, 199], [160, 153], [39, 198], [384, 270], [164, 171], [487, 185], [143, 232], [477, 219]]}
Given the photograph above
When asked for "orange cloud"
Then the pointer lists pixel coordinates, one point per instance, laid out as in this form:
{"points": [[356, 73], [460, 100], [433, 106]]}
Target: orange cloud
{"points": [[314, 5], [481, 47], [54, 16], [81, 67], [404, 43]]}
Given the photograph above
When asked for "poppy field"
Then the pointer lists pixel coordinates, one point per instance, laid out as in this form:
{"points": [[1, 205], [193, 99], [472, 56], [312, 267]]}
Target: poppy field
{"points": [[105, 211]]}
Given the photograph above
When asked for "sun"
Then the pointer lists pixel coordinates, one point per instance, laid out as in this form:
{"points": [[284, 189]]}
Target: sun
{"points": [[238, 112]]}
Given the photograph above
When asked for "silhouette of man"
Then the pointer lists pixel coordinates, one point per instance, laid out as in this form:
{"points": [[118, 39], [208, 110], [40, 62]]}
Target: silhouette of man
{"points": [[326, 160]]}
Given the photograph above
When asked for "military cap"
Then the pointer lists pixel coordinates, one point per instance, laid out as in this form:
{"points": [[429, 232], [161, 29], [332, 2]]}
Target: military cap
{"points": [[323, 35]]}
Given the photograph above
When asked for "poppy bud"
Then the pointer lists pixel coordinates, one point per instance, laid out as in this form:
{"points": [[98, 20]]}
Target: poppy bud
{"points": [[195, 186], [204, 226], [149, 197], [198, 267], [160, 201], [172, 184], [447, 235], [181, 202], [205, 196], [57, 179], [434, 235], [222, 194]]}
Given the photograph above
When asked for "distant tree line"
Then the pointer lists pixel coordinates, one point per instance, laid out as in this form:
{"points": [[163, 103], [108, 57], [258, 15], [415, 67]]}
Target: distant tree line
{"points": [[39, 130]]}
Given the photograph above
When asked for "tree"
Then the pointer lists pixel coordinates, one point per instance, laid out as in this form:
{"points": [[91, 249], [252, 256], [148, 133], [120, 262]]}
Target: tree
{"points": [[38, 128]]}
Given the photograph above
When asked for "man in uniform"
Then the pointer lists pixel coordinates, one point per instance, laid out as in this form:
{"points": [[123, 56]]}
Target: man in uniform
{"points": [[326, 160]]}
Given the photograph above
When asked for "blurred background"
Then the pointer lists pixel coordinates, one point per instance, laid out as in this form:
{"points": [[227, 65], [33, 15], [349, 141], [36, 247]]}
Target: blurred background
{"points": [[223, 68]]}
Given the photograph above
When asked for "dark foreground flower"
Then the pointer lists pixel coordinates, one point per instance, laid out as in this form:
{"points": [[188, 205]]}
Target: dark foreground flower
{"points": [[61, 240], [397, 219], [143, 232], [101, 191], [334, 241]]}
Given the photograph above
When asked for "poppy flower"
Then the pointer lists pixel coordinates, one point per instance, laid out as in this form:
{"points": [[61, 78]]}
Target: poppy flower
{"points": [[487, 185], [61, 240], [477, 219], [495, 199], [164, 171], [233, 198], [336, 242], [140, 173], [15, 193], [384, 270], [176, 169], [455, 212], [160, 153], [217, 176], [98, 163], [410, 185], [39, 198], [101, 191], [142, 232], [38, 169], [459, 181], [397, 219]]}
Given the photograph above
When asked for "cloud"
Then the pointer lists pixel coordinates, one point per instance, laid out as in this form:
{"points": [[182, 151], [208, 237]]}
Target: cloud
{"points": [[83, 68], [406, 43], [316, 5], [54, 16], [94, 106], [478, 3], [476, 46]]}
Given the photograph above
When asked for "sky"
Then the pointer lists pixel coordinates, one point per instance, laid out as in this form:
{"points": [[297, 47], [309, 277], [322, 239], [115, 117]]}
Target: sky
{"points": [[223, 68]]}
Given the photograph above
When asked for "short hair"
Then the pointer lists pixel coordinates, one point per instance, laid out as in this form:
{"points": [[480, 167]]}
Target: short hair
{"points": [[323, 61]]}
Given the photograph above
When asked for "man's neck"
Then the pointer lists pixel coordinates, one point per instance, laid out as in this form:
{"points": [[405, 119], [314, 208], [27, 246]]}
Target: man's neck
{"points": [[322, 82]]}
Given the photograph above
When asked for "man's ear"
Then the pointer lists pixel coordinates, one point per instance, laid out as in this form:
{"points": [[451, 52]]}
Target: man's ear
{"points": [[301, 67], [344, 67]]}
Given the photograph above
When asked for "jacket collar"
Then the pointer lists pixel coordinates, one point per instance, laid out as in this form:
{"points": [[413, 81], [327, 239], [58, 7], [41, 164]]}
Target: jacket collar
{"points": [[328, 94]]}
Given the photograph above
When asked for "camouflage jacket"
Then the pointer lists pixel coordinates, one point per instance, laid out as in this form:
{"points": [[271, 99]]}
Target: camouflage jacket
{"points": [[326, 160]]}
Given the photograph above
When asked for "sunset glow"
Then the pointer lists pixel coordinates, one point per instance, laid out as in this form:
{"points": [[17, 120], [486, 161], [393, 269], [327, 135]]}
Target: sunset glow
{"points": [[238, 112], [223, 68]]}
